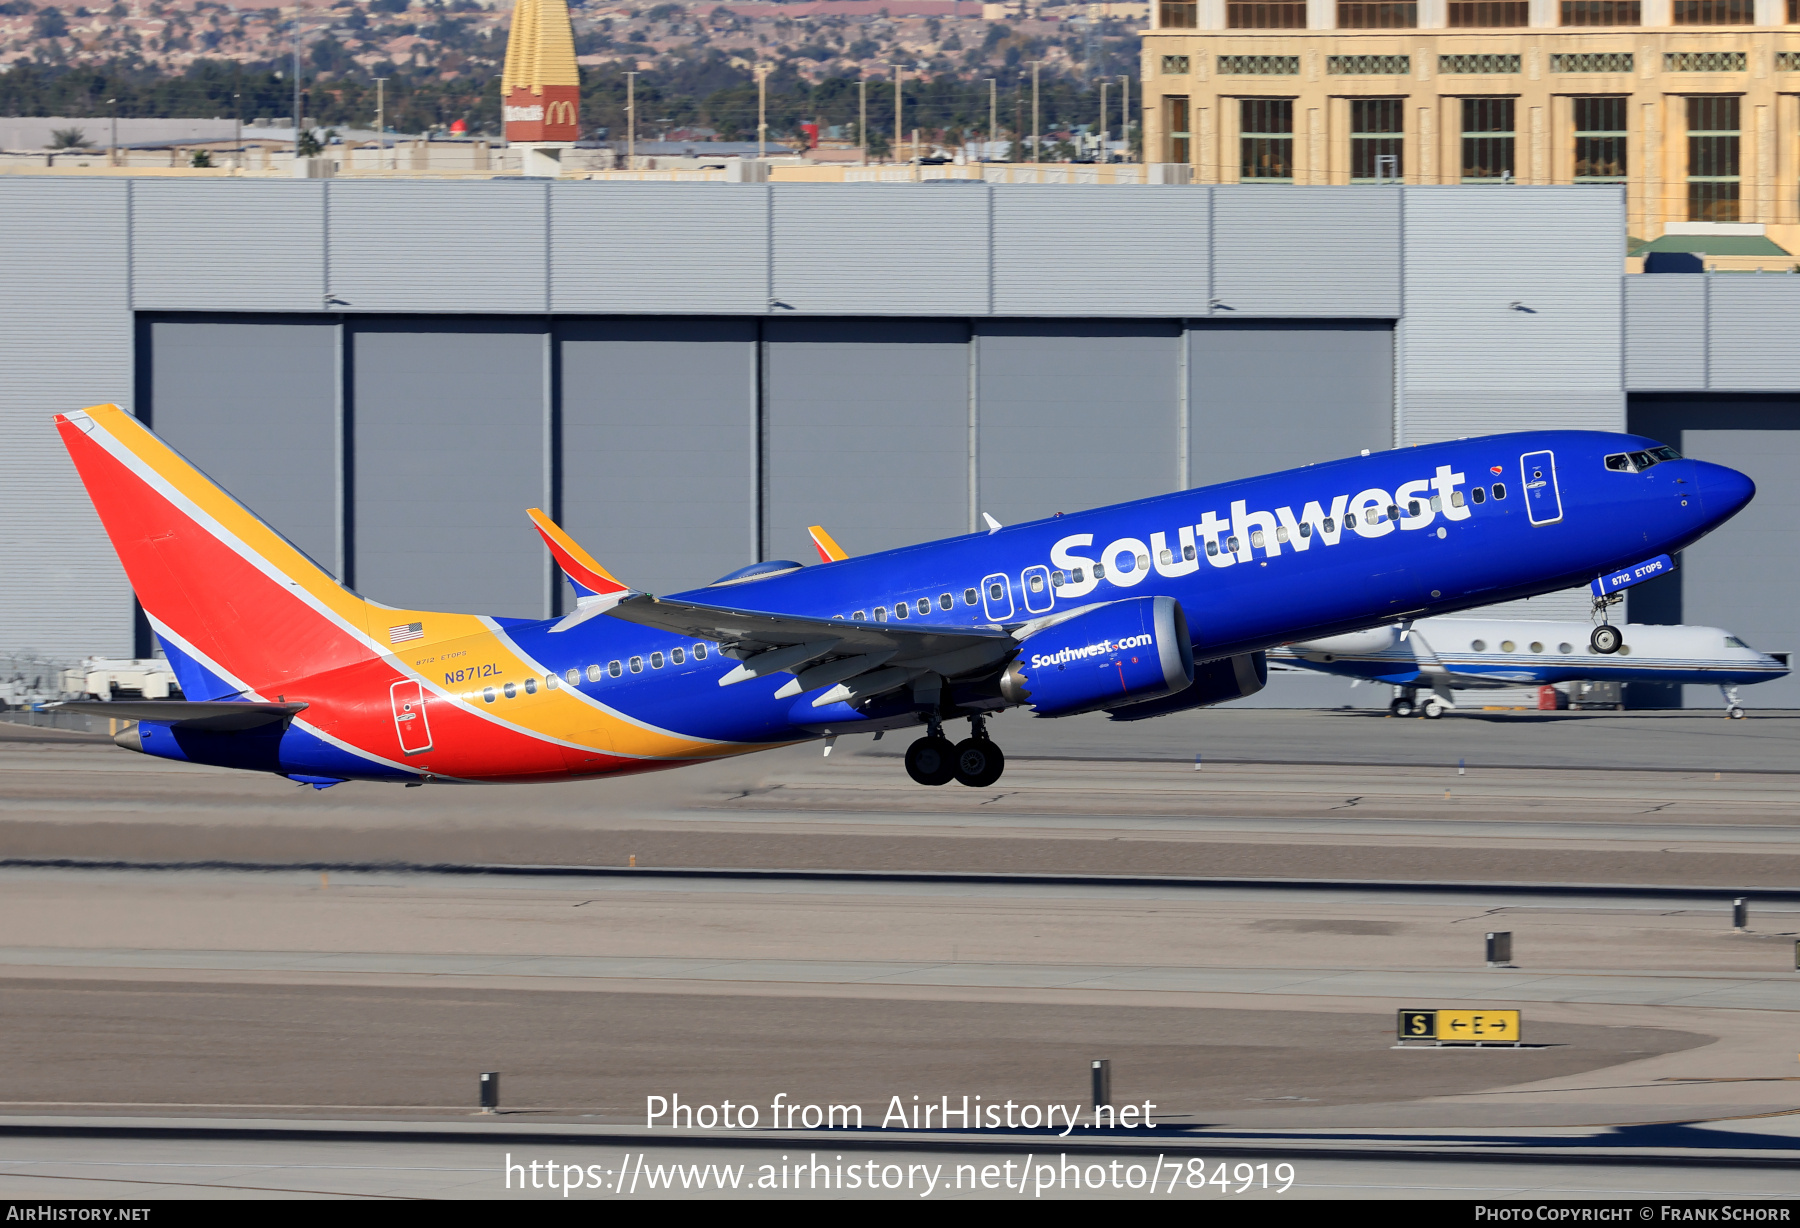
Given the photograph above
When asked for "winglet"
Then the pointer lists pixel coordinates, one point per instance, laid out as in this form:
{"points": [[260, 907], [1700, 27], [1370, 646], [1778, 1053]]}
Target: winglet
{"points": [[829, 550], [589, 578]]}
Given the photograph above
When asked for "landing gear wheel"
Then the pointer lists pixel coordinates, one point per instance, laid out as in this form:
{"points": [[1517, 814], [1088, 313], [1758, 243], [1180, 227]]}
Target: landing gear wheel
{"points": [[1737, 714], [931, 761], [1433, 708], [1606, 640], [979, 762], [1401, 707]]}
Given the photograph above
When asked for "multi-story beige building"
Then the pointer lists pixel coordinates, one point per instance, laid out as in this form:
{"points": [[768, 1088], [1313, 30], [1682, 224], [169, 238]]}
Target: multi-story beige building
{"points": [[1694, 105]]}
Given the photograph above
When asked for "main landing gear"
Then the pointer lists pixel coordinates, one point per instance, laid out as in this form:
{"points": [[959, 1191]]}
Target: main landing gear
{"points": [[976, 761], [1407, 703]]}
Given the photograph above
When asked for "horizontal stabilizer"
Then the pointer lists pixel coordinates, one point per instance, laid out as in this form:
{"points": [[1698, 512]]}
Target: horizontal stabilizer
{"points": [[215, 715]]}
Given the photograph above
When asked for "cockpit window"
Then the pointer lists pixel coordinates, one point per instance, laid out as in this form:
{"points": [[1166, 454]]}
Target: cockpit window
{"points": [[1637, 462], [1732, 641]]}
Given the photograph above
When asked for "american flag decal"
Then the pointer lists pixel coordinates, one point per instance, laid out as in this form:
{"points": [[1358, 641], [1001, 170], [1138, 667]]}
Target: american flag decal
{"points": [[411, 631]]}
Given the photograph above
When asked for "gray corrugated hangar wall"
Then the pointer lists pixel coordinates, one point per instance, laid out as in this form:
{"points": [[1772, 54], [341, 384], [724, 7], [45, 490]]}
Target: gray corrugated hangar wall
{"points": [[692, 374]]}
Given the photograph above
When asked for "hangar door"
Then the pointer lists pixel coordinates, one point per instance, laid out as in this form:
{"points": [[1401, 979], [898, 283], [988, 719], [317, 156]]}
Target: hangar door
{"points": [[1738, 578]]}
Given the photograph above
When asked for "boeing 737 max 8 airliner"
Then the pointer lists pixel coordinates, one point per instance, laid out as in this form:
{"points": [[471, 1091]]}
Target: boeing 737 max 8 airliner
{"points": [[1138, 609]]}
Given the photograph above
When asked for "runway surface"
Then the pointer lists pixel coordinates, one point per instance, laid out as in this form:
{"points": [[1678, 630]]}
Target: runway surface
{"points": [[224, 1031]]}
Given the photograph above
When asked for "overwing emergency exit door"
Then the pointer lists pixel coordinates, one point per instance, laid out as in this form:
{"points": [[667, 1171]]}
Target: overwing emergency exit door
{"points": [[408, 699], [1537, 474]]}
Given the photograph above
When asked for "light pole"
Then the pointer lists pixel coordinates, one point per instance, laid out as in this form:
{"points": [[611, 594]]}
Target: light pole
{"points": [[862, 127], [993, 114], [1102, 130], [1036, 127], [296, 81], [237, 131], [762, 110], [380, 123], [630, 121], [1125, 112], [898, 134], [112, 152]]}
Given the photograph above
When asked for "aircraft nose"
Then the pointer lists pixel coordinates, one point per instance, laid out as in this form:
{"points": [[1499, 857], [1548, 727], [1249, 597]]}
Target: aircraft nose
{"points": [[1723, 491]]}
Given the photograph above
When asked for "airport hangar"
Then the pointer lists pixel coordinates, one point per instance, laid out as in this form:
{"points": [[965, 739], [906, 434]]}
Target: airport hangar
{"points": [[687, 375]]}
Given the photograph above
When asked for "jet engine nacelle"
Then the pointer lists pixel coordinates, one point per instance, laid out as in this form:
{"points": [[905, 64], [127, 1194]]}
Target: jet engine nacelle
{"points": [[1214, 683], [1354, 644], [1118, 653]]}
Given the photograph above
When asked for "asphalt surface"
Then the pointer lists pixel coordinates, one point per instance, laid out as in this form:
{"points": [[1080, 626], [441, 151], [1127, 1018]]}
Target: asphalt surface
{"points": [[283, 1032]]}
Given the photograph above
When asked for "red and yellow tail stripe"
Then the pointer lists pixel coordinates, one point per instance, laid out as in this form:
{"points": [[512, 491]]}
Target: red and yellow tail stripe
{"points": [[248, 605]]}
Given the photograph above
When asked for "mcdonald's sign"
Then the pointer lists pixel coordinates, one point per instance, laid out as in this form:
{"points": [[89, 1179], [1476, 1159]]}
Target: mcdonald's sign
{"points": [[548, 113]]}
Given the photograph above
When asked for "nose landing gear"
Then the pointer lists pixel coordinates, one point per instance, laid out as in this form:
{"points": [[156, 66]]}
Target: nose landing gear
{"points": [[1732, 710], [1607, 639], [976, 761]]}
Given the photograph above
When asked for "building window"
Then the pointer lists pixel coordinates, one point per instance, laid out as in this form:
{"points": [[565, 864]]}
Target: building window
{"points": [[1259, 66], [1715, 12], [1266, 139], [1489, 13], [1489, 64], [1174, 15], [1602, 13], [1376, 154], [1593, 61], [1175, 124], [1600, 140], [1240, 15], [1703, 61], [1369, 65], [1713, 159], [1487, 140], [1376, 15], [1175, 65], [1793, 7]]}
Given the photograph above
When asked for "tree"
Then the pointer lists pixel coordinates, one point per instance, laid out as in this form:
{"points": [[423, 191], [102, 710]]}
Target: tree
{"points": [[202, 159], [68, 138], [309, 145]]}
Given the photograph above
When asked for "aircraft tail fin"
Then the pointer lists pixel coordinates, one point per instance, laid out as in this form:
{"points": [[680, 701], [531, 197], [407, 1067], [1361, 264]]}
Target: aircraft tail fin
{"points": [[585, 574], [239, 608]]}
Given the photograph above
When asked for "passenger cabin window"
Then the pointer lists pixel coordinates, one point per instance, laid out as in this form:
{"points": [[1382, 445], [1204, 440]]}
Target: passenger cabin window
{"points": [[1077, 574], [1099, 571], [531, 686], [968, 596], [1565, 648], [996, 591], [1536, 647], [880, 613], [1499, 490], [1331, 527], [487, 694], [550, 682], [1393, 512], [656, 660], [512, 692], [1165, 558], [1231, 544], [860, 616], [1056, 579], [574, 677], [637, 665], [1478, 646], [1256, 539], [923, 605], [1306, 529], [1037, 582], [1281, 533], [615, 668], [699, 652], [1456, 499], [900, 610], [946, 601], [1212, 549], [1437, 504], [1507, 646], [1187, 554], [594, 673], [1479, 494], [1412, 509], [678, 656]]}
